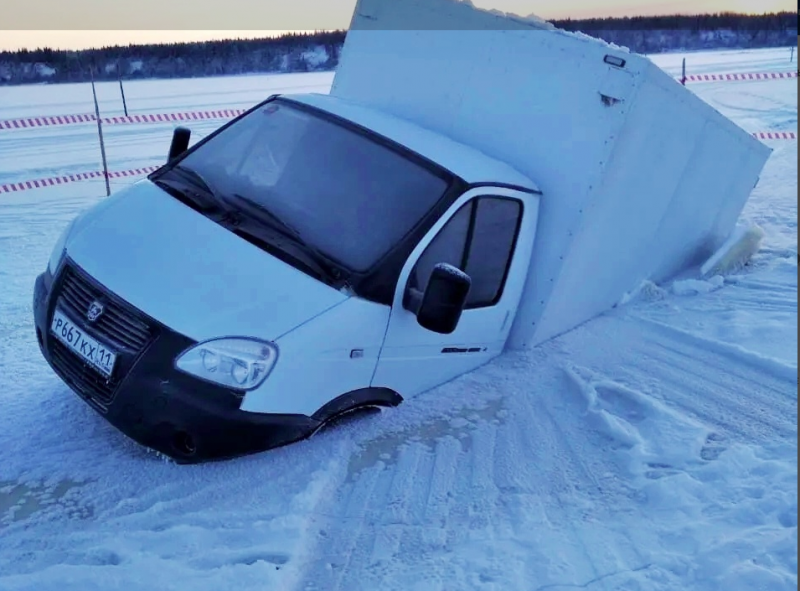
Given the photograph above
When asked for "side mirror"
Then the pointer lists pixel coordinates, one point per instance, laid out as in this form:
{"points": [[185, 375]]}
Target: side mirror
{"points": [[444, 299], [180, 142]]}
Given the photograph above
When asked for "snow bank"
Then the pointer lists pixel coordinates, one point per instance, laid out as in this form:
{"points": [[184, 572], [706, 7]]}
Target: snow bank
{"points": [[737, 250], [734, 254], [641, 178], [697, 286], [646, 291]]}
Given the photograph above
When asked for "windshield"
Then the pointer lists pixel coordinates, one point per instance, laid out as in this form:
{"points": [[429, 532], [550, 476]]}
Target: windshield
{"points": [[350, 197]]}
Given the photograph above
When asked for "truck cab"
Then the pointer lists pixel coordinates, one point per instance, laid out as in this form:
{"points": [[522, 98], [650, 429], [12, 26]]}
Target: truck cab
{"points": [[311, 257]]}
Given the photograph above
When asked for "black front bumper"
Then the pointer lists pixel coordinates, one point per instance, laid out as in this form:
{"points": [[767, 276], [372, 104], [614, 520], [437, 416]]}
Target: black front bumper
{"points": [[154, 404]]}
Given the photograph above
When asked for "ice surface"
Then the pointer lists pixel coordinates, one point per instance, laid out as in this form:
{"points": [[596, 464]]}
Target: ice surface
{"points": [[653, 448]]}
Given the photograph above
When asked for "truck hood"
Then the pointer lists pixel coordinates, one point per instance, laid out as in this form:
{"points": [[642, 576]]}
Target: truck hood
{"points": [[190, 273]]}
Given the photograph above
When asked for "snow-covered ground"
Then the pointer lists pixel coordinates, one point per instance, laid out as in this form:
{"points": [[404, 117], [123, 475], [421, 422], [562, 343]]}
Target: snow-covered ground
{"points": [[653, 448]]}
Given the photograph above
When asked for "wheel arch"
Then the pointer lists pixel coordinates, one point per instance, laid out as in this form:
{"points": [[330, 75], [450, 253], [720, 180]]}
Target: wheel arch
{"points": [[355, 399]]}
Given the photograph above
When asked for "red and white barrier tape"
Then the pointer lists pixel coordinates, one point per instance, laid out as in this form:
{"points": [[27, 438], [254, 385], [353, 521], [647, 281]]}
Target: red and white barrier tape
{"points": [[169, 117], [71, 178], [32, 122], [45, 121], [84, 176], [733, 77], [775, 135]]}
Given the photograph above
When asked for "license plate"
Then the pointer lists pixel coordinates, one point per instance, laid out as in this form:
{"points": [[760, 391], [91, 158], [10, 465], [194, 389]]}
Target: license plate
{"points": [[90, 350]]}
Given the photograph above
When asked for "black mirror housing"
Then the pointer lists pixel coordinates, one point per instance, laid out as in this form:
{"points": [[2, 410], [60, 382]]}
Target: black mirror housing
{"points": [[444, 299], [180, 142]]}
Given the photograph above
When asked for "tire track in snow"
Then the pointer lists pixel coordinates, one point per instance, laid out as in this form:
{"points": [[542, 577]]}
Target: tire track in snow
{"points": [[763, 287], [727, 390], [340, 539], [400, 535], [601, 486], [577, 486], [754, 380], [557, 486], [761, 304], [474, 491], [504, 507], [393, 506], [440, 492], [725, 357], [697, 363], [404, 519], [719, 405]]}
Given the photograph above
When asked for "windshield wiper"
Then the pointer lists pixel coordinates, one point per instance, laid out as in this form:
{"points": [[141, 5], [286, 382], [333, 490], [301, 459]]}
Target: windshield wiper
{"points": [[207, 193], [230, 206], [274, 220], [300, 254], [267, 217]]}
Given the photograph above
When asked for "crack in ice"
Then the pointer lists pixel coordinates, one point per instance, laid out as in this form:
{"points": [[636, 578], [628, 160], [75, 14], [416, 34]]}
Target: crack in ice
{"points": [[595, 580]]}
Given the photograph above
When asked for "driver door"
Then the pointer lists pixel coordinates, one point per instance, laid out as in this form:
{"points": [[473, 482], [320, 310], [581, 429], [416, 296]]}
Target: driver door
{"points": [[488, 234]]}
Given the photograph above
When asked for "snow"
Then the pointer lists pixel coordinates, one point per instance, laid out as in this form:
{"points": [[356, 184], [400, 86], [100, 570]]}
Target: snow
{"points": [[591, 39], [44, 70], [315, 57], [652, 448], [695, 286], [454, 272], [736, 251]]}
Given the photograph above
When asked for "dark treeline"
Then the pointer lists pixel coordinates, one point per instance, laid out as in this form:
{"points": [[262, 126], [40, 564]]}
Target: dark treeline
{"points": [[320, 51], [691, 33], [295, 52], [732, 21]]}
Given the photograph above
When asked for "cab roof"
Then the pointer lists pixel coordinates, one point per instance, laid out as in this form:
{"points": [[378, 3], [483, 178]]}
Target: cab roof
{"points": [[468, 163]]}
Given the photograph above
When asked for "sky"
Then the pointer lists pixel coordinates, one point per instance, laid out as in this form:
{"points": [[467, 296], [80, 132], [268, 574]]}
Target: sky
{"points": [[43, 23]]}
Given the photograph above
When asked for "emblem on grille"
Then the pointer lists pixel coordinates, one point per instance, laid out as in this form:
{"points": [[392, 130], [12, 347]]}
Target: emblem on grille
{"points": [[95, 311]]}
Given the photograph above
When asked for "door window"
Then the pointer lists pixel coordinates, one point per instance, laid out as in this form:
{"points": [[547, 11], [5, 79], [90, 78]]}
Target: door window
{"points": [[479, 239]]}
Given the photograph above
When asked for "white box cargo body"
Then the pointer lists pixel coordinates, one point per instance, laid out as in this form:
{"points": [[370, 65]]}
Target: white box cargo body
{"points": [[641, 179]]}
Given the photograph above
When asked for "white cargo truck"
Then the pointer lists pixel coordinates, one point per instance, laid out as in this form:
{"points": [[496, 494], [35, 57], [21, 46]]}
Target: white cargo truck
{"points": [[458, 193]]}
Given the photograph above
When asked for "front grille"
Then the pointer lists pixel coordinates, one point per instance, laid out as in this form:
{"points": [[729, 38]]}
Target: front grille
{"points": [[119, 326], [84, 378]]}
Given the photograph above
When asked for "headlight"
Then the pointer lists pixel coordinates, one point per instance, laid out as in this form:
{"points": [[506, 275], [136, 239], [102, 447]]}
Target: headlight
{"points": [[236, 362], [58, 249]]}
